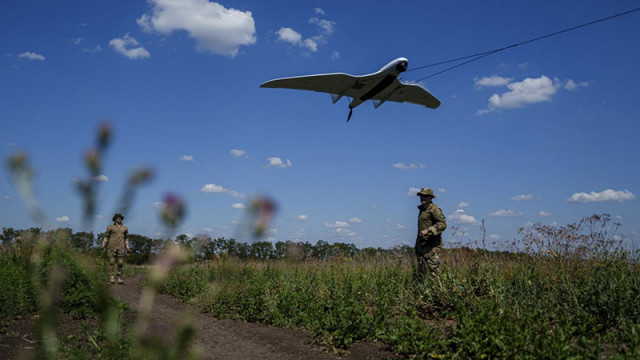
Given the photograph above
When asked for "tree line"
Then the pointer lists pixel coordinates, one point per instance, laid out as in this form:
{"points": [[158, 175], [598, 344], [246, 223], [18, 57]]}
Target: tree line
{"points": [[199, 248]]}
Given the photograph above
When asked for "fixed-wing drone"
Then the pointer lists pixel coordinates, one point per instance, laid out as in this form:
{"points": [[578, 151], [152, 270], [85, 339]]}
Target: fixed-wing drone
{"points": [[379, 87]]}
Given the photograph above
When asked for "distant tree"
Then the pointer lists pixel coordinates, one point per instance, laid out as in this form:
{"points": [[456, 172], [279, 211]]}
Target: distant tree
{"points": [[141, 249], [343, 249], [9, 236], [82, 241], [262, 250], [321, 250]]}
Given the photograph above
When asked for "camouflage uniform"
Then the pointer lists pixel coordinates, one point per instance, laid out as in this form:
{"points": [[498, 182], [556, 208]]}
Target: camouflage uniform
{"points": [[116, 251], [428, 246]]}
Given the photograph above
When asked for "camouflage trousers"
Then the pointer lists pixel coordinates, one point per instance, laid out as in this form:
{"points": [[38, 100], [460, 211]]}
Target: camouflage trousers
{"points": [[116, 262], [428, 256]]}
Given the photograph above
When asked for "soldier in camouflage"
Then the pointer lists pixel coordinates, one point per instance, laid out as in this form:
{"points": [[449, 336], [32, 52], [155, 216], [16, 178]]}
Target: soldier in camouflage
{"points": [[117, 235], [431, 224]]}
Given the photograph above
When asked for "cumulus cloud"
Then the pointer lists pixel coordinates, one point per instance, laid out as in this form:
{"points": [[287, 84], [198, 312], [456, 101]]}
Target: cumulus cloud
{"points": [[301, 217], [128, 46], [494, 236], [503, 212], [442, 190], [291, 36], [319, 11], [335, 55], [522, 93], [572, 85], [400, 227], [277, 162], [63, 219], [215, 28], [413, 191], [463, 204], [213, 188], [606, 195], [355, 220], [522, 197], [403, 166], [544, 213], [100, 178], [324, 28], [493, 80], [238, 206], [460, 217], [238, 153], [187, 158], [337, 224], [31, 56]]}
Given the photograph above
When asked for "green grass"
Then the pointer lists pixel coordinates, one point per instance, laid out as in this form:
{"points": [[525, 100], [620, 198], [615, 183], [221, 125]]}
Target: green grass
{"points": [[483, 306]]}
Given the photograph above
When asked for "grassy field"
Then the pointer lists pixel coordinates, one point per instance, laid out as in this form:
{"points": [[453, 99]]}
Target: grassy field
{"points": [[484, 305]]}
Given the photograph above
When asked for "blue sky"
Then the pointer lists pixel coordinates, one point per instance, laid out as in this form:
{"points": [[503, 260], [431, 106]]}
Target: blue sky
{"points": [[546, 132]]}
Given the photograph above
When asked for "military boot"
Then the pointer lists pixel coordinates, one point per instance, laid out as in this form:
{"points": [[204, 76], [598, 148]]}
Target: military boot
{"points": [[120, 281], [112, 280]]}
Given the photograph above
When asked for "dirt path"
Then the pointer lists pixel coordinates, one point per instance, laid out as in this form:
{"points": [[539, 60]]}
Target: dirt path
{"points": [[231, 339]]}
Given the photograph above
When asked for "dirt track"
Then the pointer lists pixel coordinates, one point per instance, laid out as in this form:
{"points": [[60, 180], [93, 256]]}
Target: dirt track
{"points": [[230, 339]]}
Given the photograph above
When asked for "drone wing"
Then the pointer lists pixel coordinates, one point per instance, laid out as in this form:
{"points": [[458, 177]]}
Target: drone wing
{"points": [[338, 83], [413, 93]]}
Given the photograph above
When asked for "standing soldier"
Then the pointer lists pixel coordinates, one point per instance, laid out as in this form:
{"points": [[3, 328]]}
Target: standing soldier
{"points": [[431, 224], [117, 235]]}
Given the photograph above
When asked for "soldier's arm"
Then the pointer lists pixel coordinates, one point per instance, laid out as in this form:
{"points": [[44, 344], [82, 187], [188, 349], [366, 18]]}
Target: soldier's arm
{"points": [[440, 224], [104, 240], [126, 239]]}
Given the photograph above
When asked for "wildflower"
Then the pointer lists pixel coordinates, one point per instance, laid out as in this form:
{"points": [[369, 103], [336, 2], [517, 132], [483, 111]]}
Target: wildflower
{"points": [[104, 135], [173, 210]]}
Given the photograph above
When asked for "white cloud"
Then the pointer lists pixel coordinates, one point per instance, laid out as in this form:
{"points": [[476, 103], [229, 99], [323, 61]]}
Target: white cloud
{"points": [[400, 227], [494, 236], [325, 26], [460, 217], [319, 11], [10, 144], [355, 220], [96, 49], [606, 195], [100, 178], [345, 233], [403, 166], [187, 158], [337, 224], [493, 80], [289, 35], [31, 56], [215, 28], [522, 197], [62, 219], [128, 46], [503, 212], [442, 190], [572, 85], [238, 206], [413, 191], [301, 217], [277, 162], [77, 40], [157, 204], [544, 213], [463, 204], [98, 217], [526, 92], [213, 188], [335, 55], [238, 153]]}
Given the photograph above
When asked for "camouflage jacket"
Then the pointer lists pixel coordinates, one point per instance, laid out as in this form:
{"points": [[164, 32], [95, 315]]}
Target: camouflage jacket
{"points": [[432, 219], [116, 236]]}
